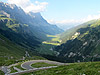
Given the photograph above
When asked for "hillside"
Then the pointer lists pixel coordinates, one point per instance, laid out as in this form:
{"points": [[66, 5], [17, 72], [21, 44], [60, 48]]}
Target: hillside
{"points": [[70, 32], [36, 23], [21, 34], [15, 41], [14, 31], [84, 45], [9, 51]]}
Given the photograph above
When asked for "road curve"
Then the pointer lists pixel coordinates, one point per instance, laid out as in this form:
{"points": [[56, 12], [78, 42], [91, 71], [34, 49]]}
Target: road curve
{"points": [[31, 70], [27, 65]]}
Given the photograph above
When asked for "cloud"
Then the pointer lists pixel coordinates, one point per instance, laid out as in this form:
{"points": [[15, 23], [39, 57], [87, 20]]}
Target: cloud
{"points": [[28, 6], [90, 17], [63, 21], [75, 21], [66, 24]]}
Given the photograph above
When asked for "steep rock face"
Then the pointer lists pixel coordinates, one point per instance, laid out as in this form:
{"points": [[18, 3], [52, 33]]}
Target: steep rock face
{"points": [[37, 24], [85, 47]]}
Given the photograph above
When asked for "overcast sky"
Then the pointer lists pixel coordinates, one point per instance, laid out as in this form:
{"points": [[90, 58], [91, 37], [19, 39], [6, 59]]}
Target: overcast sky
{"points": [[62, 11]]}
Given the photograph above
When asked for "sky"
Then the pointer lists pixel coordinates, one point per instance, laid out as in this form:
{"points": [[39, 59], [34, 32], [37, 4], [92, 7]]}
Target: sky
{"points": [[62, 12]]}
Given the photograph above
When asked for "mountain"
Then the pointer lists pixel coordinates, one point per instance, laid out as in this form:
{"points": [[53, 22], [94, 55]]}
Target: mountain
{"points": [[70, 32], [15, 40], [21, 33], [37, 24], [17, 32], [83, 45]]}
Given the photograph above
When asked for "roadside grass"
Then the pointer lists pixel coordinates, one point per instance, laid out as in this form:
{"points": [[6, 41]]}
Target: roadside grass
{"points": [[85, 68], [12, 69], [42, 64], [1, 73], [19, 66]]}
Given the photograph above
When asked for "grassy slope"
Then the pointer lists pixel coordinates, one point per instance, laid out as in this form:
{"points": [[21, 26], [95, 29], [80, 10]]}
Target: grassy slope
{"points": [[86, 47], [45, 49], [67, 35], [88, 68], [9, 51], [11, 45]]}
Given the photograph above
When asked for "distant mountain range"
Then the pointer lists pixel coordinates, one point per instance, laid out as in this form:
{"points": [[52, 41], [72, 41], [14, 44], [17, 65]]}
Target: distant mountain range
{"points": [[67, 26]]}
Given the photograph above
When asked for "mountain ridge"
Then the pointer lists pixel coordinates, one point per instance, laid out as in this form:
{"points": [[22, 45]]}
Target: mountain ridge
{"points": [[35, 21], [84, 46]]}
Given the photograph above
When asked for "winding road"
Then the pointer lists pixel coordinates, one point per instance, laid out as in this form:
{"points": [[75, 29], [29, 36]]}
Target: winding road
{"points": [[27, 65]]}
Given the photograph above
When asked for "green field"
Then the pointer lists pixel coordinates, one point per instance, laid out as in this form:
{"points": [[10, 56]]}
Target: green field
{"points": [[55, 40], [85, 68], [51, 35], [50, 43]]}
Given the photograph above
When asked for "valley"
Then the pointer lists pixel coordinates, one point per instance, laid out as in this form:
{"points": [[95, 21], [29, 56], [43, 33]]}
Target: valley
{"points": [[31, 45]]}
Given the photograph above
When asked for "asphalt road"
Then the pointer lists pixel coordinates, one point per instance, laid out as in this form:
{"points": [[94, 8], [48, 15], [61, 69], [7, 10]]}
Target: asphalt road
{"points": [[31, 70], [4, 69], [27, 65]]}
